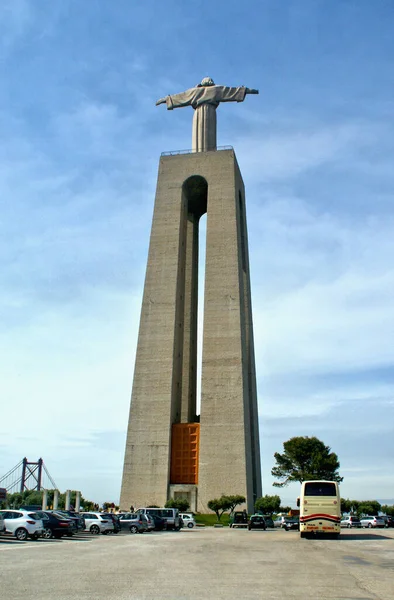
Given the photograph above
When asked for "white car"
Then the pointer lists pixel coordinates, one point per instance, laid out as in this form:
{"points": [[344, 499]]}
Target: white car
{"points": [[188, 520], [97, 523], [22, 524]]}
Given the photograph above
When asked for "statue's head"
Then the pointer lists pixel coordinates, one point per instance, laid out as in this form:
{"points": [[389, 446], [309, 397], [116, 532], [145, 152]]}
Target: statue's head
{"points": [[206, 82]]}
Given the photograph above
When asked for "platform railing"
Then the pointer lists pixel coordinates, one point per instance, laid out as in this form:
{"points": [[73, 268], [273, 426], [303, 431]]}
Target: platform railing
{"points": [[175, 152]]}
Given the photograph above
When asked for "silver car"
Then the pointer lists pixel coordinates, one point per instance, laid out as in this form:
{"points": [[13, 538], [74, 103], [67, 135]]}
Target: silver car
{"points": [[97, 523], [280, 521], [133, 522], [350, 521], [372, 522], [22, 524]]}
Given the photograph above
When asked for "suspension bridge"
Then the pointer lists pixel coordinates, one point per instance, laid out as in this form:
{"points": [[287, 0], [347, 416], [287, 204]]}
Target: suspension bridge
{"points": [[28, 475]]}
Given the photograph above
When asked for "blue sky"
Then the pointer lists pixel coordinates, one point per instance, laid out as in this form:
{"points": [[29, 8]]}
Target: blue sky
{"points": [[81, 140]]}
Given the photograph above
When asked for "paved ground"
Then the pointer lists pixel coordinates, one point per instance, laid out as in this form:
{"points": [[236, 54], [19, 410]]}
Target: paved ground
{"points": [[199, 564]]}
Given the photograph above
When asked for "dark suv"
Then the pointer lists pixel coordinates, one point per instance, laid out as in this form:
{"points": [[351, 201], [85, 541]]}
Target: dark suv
{"points": [[257, 522], [292, 523], [389, 521]]}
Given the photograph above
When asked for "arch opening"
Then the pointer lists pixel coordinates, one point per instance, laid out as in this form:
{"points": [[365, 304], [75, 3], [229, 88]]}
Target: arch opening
{"points": [[195, 203]]}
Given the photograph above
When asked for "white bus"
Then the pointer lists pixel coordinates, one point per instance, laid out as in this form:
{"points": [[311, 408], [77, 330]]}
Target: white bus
{"points": [[320, 508]]}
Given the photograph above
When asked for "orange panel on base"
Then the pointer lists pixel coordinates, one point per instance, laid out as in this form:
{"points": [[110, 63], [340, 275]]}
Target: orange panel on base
{"points": [[185, 445]]}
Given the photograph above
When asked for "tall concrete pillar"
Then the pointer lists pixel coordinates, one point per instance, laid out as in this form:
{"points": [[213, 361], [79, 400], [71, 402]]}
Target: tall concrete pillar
{"points": [[68, 500], [44, 499], [56, 499], [165, 375], [77, 501]]}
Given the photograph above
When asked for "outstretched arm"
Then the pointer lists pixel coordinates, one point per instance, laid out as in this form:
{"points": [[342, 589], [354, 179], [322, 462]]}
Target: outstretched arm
{"points": [[251, 91], [161, 101]]}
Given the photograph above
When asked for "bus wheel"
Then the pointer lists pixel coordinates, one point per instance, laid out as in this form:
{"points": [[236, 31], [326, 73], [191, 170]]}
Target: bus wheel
{"points": [[303, 534]]}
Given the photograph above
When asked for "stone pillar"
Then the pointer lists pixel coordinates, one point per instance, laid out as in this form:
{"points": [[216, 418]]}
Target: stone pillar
{"points": [[77, 501], [56, 500], [68, 500], [44, 499]]}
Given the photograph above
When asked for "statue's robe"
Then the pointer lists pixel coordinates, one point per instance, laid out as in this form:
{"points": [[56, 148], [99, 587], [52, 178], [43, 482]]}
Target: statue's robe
{"points": [[205, 100]]}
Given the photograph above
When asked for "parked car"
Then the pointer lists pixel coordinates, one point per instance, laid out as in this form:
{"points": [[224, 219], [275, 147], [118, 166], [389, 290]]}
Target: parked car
{"points": [[268, 520], [115, 520], [280, 521], [22, 524], [170, 515], [150, 522], [159, 522], [372, 522], [76, 518], [389, 521], [257, 522], [96, 523], [2, 526], [292, 523], [55, 526], [133, 522], [188, 520], [350, 521], [239, 518]]}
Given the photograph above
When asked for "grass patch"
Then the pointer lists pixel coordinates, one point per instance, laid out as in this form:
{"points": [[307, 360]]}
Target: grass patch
{"points": [[210, 520]]}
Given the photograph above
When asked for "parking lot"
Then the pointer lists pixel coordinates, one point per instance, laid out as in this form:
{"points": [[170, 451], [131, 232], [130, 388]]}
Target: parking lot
{"points": [[200, 563]]}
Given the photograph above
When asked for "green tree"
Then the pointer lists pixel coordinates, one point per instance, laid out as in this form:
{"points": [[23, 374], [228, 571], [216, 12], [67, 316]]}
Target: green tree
{"points": [[235, 501], [182, 504], [388, 510], [268, 505], [305, 458], [219, 505], [369, 507], [346, 505]]}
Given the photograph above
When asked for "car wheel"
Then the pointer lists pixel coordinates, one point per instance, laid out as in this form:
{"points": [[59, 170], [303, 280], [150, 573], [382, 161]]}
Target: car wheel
{"points": [[348, 526], [303, 534], [47, 533], [369, 525], [21, 534], [95, 529], [133, 529], [190, 525], [70, 534]]}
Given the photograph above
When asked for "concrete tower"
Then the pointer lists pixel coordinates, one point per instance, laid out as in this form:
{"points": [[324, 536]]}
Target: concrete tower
{"points": [[170, 450]]}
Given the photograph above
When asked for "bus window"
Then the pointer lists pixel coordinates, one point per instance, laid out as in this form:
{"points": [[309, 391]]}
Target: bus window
{"points": [[320, 488]]}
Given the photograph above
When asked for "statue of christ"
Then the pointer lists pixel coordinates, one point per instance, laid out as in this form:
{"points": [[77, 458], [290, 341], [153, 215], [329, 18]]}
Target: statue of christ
{"points": [[205, 98]]}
